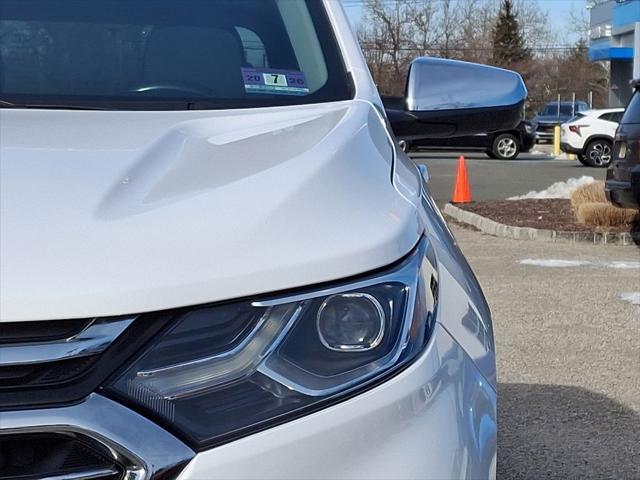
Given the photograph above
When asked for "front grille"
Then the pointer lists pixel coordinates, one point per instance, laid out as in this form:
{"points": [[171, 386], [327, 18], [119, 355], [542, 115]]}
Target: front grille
{"points": [[50, 455], [32, 356], [29, 332], [62, 361], [53, 424], [42, 374], [546, 128], [93, 439]]}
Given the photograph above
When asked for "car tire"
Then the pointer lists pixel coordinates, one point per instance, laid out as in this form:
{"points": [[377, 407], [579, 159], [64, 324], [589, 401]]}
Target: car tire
{"points": [[490, 154], [583, 159], [506, 147], [599, 153]]}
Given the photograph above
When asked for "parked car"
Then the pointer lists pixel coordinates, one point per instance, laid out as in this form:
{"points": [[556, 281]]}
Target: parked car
{"points": [[590, 134], [219, 264], [623, 177], [554, 114], [503, 145]]}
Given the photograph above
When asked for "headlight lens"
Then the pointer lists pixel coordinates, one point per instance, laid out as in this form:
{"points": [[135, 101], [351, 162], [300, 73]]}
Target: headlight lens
{"points": [[223, 371], [351, 322], [528, 128]]}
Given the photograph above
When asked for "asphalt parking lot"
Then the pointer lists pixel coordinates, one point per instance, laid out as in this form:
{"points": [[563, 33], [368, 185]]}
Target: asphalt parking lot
{"points": [[568, 338], [568, 357], [500, 179]]}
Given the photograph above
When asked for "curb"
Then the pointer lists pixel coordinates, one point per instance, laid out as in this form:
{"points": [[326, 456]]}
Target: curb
{"points": [[496, 229]]}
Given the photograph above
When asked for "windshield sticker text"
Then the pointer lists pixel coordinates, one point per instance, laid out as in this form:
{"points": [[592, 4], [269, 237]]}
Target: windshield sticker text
{"points": [[272, 81]]}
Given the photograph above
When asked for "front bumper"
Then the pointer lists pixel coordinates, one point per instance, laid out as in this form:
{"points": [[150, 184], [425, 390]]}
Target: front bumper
{"points": [[528, 141], [544, 134], [436, 419], [568, 148], [624, 193]]}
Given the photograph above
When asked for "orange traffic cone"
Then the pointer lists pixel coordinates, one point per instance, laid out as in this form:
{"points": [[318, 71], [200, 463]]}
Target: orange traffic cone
{"points": [[462, 190]]}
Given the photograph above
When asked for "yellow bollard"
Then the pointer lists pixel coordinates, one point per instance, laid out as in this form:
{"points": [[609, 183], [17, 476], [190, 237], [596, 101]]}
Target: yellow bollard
{"points": [[556, 140]]}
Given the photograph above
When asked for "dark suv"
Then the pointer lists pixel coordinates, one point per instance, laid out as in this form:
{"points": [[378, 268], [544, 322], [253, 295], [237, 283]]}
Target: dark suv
{"points": [[502, 145], [623, 177], [554, 114]]}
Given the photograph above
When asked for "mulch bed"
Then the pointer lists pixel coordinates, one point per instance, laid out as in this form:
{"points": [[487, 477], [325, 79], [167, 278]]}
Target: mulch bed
{"points": [[549, 214]]}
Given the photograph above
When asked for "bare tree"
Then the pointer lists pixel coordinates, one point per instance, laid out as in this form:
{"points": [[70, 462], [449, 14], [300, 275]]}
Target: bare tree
{"points": [[477, 18], [393, 33], [534, 23], [384, 34], [423, 15], [580, 24], [448, 21]]}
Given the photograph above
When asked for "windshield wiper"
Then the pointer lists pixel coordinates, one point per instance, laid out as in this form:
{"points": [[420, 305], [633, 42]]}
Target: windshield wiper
{"points": [[116, 105], [47, 106]]}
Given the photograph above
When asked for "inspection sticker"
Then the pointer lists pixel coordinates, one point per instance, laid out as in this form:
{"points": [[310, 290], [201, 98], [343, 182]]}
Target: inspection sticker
{"points": [[272, 81]]}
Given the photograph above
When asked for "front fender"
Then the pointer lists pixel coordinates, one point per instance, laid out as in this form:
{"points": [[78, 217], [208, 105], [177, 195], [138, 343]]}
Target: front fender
{"points": [[462, 309]]}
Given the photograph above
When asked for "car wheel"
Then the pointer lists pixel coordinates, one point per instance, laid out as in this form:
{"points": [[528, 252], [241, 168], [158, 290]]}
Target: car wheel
{"points": [[506, 147], [490, 154], [599, 153], [583, 160]]}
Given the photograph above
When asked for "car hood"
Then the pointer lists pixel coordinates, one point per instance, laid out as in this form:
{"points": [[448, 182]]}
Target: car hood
{"points": [[542, 119], [109, 213]]}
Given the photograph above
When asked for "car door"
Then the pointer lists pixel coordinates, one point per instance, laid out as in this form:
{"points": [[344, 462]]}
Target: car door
{"points": [[471, 141]]}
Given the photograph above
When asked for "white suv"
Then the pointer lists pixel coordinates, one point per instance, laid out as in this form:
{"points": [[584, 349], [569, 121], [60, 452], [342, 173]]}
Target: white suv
{"points": [[590, 135], [215, 261]]}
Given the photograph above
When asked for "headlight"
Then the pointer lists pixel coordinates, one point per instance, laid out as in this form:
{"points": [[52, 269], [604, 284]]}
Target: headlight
{"points": [[224, 371], [528, 128]]}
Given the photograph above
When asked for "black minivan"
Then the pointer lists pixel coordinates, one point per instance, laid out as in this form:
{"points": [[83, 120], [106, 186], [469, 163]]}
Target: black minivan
{"points": [[623, 177]]}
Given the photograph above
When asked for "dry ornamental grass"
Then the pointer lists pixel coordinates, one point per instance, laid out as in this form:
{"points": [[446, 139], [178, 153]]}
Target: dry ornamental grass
{"points": [[605, 215], [591, 208], [589, 193]]}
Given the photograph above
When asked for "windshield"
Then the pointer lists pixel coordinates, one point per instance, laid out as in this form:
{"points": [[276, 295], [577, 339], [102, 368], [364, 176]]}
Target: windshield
{"points": [[578, 116], [565, 109], [168, 54]]}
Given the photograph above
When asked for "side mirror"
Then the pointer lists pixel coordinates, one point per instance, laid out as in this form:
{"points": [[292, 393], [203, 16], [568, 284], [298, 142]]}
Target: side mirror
{"points": [[447, 98]]}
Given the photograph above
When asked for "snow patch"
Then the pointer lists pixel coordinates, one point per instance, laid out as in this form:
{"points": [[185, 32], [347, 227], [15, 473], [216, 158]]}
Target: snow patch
{"points": [[624, 265], [553, 263], [633, 298], [561, 263], [558, 189], [538, 152]]}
